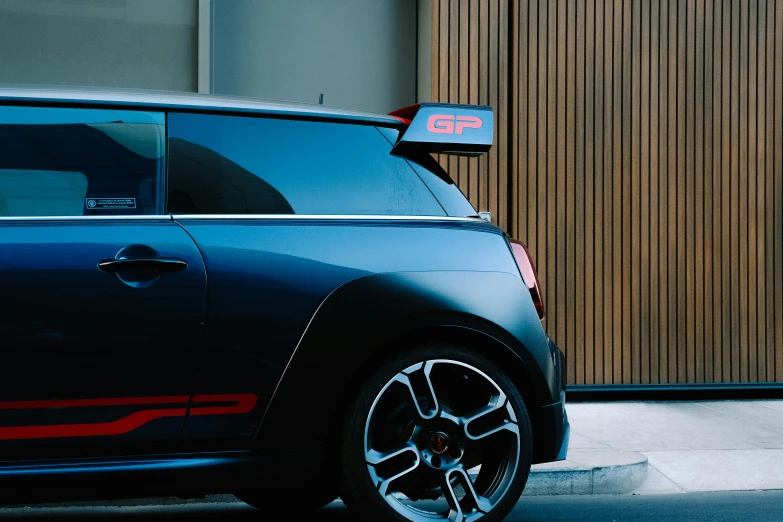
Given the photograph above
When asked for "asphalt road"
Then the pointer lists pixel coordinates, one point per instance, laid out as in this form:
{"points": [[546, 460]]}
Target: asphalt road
{"points": [[690, 507]]}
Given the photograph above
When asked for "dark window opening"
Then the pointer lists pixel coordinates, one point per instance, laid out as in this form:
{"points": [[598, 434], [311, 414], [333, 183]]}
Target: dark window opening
{"points": [[246, 165], [80, 162], [437, 180]]}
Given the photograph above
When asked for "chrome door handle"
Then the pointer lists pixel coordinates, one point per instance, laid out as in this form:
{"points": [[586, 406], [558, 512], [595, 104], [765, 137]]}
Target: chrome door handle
{"points": [[164, 264]]}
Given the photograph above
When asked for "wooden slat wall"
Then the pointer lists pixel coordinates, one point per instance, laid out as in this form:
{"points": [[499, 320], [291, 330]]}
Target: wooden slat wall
{"points": [[639, 153]]}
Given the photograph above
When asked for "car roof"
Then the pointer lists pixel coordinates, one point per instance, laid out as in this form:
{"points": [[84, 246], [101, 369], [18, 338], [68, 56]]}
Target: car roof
{"points": [[166, 100]]}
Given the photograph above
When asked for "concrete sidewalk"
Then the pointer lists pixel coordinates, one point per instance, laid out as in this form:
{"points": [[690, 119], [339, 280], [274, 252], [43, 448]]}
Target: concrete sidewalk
{"points": [[689, 446]]}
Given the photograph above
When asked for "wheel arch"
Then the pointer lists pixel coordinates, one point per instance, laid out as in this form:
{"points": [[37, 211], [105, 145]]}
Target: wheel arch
{"points": [[474, 340], [372, 318], [481, 343]]}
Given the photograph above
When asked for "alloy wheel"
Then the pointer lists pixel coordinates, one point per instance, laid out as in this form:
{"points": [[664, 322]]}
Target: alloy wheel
{"points": [[442, 442]]}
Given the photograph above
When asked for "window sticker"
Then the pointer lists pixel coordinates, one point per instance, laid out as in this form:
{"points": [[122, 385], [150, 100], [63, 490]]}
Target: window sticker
{"points": [[110, 203]]}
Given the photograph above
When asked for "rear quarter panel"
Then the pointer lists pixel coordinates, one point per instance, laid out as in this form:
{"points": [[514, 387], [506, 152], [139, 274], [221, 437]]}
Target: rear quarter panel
{"points": [[267, 278]]}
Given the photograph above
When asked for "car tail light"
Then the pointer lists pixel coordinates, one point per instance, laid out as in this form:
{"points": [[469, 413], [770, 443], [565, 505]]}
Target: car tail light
{"points": [[528, 270]]}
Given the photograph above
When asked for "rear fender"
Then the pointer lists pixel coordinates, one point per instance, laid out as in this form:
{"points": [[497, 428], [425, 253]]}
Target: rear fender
{"points": [[369, 318]]}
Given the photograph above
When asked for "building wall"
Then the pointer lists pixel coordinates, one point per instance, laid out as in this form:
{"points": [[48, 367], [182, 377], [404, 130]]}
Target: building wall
{"points": [[424, 51], [145, 44], [358, 54], [643, 165]]}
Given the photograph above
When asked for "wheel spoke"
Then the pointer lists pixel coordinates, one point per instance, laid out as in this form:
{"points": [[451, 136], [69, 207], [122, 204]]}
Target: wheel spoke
{"points": [[455, 514], [383, 484], [498, 403], [374, 457], [417, 379], [472, 505]]}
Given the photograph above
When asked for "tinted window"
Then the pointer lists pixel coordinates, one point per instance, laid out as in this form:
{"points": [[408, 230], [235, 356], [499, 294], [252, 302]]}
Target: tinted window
{"points": [[80, 162], [438, 181], [245, 165]]}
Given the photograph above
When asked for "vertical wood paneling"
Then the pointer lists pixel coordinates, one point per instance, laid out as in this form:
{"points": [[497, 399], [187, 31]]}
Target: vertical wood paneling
{"points": [[698, 187], [494, 98], [734, 242], [579, 340], [538, 239], [672, 236], [635, 86], [520, 126], [683, 324], [441, 15], [714, 259], [589, 179], [453, 86], [769, 224], [742, 195], [752, 245], [532, 100], [625, 174], [638, 153], [561, 109], [655, 310], [689, 181], [468, 186], [644, 194], [599, 191], [551, 167], [478, 193], [761, 259], [608, 191], [662, 281], [569, 343], [483, 52], [707, 230], [617, 193], [503, 123], [726, 191], [778, 176], [518, 40]]}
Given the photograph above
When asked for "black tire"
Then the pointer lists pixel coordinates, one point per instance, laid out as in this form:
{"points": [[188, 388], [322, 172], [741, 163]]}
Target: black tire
{"points": [[277, 503], [361, 491]]}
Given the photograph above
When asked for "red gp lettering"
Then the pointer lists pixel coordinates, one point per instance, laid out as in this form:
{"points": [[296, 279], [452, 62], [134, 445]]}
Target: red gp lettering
{"points": [[444, 123], [468, 122], [441, 124]]}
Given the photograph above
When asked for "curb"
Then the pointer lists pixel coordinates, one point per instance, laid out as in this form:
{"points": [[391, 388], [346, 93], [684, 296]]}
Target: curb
{"points": [[588, 473]]}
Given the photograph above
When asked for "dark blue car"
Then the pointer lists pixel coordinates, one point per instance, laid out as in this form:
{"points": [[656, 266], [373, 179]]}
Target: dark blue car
{"points": [[289, 303]]}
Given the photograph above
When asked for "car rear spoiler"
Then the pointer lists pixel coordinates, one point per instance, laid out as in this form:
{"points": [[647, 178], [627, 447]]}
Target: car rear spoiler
{"points": [[462, 130]]}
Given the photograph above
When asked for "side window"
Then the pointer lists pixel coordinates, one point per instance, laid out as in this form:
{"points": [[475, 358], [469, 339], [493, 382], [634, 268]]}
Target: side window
{"points": [[247, 165], [80, 162], [437, 180]]}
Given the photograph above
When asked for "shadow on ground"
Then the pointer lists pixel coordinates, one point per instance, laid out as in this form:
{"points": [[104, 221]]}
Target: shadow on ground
{"points": [[191, 512], [765, 506]]}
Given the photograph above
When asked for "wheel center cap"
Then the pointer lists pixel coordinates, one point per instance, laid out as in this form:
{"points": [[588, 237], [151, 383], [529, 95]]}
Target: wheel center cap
{"points": [[439, 443]]}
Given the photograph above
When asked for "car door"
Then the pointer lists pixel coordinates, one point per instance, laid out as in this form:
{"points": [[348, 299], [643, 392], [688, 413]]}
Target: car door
{"points": [[102, 296]]}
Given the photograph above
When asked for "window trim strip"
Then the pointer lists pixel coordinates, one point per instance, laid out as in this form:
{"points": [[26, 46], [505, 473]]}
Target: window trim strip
{"points": [[86, 218], [329, 217]]}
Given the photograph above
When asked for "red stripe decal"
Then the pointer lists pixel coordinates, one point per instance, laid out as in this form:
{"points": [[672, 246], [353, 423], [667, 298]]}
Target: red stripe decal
{"points": [[118, 427], [79, 403], [245, 404]]}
